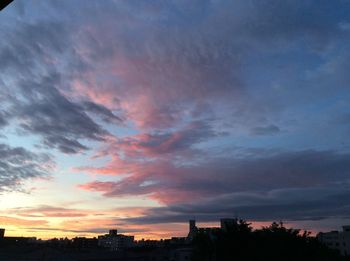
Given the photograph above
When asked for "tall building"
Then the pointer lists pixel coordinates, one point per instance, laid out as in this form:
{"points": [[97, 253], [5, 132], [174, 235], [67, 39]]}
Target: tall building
{"points": [[2, 232], [212, 232], [192, 229], [339, 240], [115, 241], [226, 223], [113, 232], [192, 224]]}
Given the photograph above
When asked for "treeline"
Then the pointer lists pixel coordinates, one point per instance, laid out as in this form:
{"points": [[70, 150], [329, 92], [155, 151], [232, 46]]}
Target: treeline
{"points": [[275, 242]]}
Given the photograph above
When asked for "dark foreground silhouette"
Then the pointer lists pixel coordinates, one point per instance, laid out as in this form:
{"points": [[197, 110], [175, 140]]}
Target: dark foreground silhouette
{"points": [[4, 3], [236, 240], [275, 242]]}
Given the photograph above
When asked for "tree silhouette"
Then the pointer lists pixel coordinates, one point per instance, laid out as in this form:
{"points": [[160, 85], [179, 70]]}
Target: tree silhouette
{"points": [[239, 241]]}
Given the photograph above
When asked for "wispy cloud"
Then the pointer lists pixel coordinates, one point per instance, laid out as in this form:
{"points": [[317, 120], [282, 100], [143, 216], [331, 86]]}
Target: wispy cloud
{"points": [[18, 165], [238, 106]]}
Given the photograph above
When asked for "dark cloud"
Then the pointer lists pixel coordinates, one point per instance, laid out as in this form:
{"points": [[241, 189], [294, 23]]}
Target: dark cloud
{"points": [[342, 119], [80, 231], [106, 114], [59, 121], [266, 130], [162, 143], [3, 119], [34, 53], [50, 211], [284, 204], [273, 21], [281, 181], [18, 165], [89, 230], [32, 45]]}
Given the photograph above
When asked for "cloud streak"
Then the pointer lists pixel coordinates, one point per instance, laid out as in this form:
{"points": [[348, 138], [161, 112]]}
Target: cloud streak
{"points": [[172, 184], [18, 165]]}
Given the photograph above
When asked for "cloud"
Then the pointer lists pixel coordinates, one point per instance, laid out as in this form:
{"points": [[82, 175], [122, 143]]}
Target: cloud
{"points": [[71, 213], [3, 120], [169, 183], [179, 76], [342, 119], [20, 222], [61, 122], [155, 69], [17, 165], [170, 66], [50, 211], [42, 41], [98, 109], [294, 204], [266, 130], [158, 144], [35, 55]]}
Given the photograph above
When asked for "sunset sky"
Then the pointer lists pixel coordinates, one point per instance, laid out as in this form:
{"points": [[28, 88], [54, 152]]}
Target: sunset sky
{"points": [[140, 115]]}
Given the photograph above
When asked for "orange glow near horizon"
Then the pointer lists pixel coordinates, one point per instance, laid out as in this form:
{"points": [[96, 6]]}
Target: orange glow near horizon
{"points": [[151, 232]]}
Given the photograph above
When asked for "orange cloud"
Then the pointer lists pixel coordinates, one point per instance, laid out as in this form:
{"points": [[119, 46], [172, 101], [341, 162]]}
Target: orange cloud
{"points": [[19, 222]]}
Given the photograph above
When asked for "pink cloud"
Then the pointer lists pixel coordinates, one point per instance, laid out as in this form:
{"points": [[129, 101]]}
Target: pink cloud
{"points": [[49, 211], [158, 144], [155, 85], [159, 181], [20, 222]]}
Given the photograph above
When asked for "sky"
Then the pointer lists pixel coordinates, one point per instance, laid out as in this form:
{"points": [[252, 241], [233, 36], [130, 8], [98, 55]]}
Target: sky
{"points": [[141, 115]]}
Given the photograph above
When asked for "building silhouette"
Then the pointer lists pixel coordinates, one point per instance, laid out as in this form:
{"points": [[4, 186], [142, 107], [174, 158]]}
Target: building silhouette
{"points": [[201, 242], [113, 232], [192, 229], [339, 240], [115, 241], [225, 224]]}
